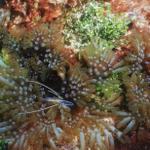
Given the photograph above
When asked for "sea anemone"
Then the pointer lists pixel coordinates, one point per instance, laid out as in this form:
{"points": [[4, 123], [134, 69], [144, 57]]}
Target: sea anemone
{"points": [[77, 86], [138, 97], [137, 56], [100, 64]]}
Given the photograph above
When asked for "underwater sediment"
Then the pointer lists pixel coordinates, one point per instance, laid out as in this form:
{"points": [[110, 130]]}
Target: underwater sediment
{"points": [[74, 75]]}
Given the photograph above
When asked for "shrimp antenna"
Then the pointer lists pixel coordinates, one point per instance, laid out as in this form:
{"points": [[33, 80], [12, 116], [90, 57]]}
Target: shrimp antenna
{"points": [[39, 110], [49, 89]]}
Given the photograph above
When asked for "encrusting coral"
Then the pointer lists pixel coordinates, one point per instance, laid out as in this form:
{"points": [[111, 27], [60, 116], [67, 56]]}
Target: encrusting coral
{"points": [[31, 12], [93, 101]]}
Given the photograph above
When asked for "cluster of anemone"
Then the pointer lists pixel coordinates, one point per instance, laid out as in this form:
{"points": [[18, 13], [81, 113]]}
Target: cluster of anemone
{"points": [[32, 51], [48, 103]]}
